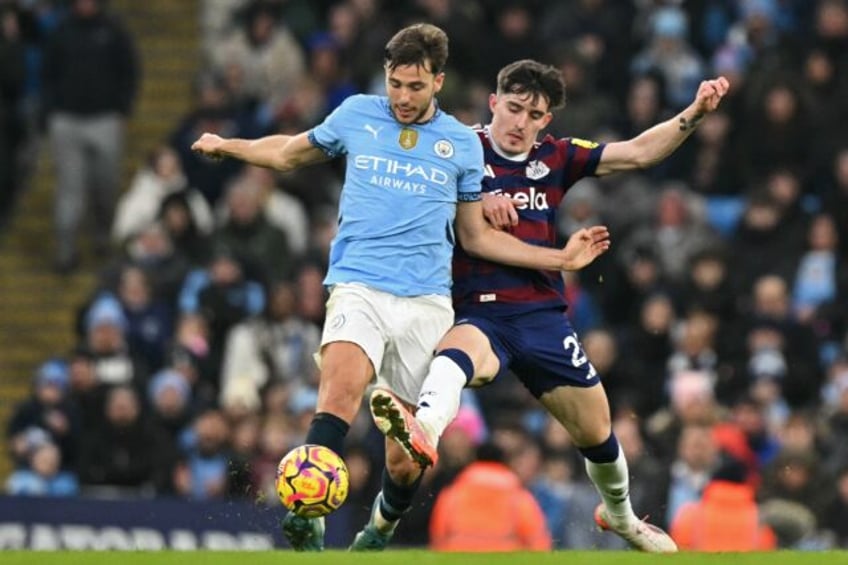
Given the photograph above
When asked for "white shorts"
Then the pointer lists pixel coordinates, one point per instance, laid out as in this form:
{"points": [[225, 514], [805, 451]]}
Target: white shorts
{"points": [[398, 333]]}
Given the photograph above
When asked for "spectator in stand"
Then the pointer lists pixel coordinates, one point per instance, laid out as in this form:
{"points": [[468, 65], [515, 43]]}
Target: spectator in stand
{"points": [[670, 54], [820, 288], [49, 409], [694, 344], [690, 471], [281, 209], [797, 476], [707, 287], [128, 454], [757, 246], [677, 233], [149, 319], [247, 231], [691, 402], [772, 329], [638, 280], [203, 471], [161, 177], [191, 355], [90, 83], [327, 69], [170, 401], [153, 251], [779, 132], [223, 295], [786, 187], [726, 518], [647, 346], [44, 475], [276, 346], [87, 394], [263, 53], [107, 341], [189, 241], [471, 514]]}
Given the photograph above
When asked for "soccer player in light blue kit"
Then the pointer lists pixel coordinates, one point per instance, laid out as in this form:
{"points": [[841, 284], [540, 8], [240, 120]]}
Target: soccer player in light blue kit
{"points": [[408, 165]]}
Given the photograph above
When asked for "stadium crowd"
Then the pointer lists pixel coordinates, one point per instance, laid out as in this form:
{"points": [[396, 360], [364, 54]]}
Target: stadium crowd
{"points": [[717, 320]]}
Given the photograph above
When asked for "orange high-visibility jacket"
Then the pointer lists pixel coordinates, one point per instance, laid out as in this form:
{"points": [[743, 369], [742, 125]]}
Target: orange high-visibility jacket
{"points": [[725, 519], [487, 508]]}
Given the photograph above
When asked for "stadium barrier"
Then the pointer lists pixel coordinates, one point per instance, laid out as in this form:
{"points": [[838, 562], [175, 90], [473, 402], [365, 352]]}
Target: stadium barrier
{"points": [[156, 524]]}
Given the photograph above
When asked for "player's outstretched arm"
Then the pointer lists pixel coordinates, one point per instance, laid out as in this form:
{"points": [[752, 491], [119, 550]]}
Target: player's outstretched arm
{"points": [[480, 239], [281, 152], [655, 144]]}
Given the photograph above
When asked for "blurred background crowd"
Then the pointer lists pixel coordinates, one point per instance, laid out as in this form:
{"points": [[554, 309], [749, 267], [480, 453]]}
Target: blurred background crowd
{"points": [[717, 321]]}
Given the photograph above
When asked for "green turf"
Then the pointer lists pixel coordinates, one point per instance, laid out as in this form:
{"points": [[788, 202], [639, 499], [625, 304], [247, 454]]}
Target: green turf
{"points": [[418, 557]]}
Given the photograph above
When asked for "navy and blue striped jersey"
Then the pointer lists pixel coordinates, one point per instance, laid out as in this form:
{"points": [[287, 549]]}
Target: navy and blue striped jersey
{"points": [[537, 185]]}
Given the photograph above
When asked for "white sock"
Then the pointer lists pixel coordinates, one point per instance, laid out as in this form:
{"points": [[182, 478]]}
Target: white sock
{"points": [[612, 482], [438, 402]]}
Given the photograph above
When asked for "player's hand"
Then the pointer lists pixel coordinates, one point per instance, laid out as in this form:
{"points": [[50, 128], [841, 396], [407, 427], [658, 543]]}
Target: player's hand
{"points": [[499, 210], [209, 144], [710, 93], [584, 246]]}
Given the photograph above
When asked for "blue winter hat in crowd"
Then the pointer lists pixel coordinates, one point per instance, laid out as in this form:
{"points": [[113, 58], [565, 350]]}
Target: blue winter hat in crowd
{"points": [[168, 378], [669, 22], [765, 8], [106, 310], [53, 372]]}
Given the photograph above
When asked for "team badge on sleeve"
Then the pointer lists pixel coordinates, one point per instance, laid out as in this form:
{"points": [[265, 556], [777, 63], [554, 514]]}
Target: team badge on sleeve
{"points": [[443, 149]]}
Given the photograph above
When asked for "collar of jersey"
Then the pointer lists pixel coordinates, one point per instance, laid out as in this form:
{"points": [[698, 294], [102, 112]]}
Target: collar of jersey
{"points": [[435, 115], [513, 158]]}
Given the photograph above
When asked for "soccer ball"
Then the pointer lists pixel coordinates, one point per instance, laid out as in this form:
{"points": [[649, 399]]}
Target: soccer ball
{"points": [[312, 481]]}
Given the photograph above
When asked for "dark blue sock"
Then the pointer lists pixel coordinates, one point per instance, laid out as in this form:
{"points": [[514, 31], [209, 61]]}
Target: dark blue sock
{"points": [[397, 498], [606, 452], [328, 430]]}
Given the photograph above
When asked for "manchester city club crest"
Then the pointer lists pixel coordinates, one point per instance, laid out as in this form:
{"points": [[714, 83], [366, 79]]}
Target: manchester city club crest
{"points": [[443, 149], [408, 138]]}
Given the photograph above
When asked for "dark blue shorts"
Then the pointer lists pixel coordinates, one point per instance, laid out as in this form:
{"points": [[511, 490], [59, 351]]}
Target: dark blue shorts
{"points": [[540, 347]]}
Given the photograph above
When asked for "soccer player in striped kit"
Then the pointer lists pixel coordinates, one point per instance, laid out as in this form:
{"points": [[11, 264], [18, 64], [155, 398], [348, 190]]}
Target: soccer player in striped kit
{"points": [[515, 318]]}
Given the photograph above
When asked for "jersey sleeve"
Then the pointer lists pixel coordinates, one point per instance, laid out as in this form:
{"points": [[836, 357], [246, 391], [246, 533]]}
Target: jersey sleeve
{"points": [[581, 157], [470, 182], [328, 136]]}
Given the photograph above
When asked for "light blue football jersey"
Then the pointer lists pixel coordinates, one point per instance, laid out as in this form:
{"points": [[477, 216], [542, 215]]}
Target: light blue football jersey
{"points": [[402, 183]]}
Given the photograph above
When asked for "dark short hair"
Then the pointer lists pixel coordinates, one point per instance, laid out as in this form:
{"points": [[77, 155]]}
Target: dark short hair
{"points": [[534, 78], [418, 44]]}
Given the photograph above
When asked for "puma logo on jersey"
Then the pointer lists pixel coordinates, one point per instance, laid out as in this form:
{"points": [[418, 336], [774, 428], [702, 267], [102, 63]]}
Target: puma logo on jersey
{"points": [[370, 129]]}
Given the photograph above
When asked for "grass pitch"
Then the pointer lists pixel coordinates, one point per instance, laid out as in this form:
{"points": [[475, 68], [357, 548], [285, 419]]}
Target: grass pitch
{"points": [[418, 557]]}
